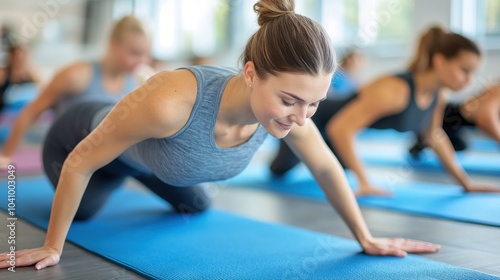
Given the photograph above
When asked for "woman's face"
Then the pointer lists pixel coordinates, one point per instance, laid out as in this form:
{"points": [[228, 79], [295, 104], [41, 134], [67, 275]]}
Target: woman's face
{"points": [[288, 99], [132, 51], [456, 73]]}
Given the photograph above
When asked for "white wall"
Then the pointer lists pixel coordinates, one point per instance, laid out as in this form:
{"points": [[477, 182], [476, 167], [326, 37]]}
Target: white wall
{"points": [[52, 28]]}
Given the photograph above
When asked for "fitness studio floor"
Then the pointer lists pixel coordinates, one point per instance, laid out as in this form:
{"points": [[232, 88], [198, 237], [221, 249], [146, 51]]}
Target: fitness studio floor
{"points": [[466, 245]]}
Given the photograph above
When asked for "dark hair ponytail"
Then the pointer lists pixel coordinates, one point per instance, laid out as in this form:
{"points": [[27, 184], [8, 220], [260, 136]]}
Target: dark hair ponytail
{"points": [[437, 40]]}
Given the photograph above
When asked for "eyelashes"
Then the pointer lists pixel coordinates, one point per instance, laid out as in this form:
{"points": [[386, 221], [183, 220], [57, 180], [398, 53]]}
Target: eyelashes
{"points": [[287, 103], [315, 105]]}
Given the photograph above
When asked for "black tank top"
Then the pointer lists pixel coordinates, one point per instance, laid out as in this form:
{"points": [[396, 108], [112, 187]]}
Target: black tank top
{"points": [[412, 118]]}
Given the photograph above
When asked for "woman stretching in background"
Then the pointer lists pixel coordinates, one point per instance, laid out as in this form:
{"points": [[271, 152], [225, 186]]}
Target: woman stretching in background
{"points": [[409, 101], [108, 79]]}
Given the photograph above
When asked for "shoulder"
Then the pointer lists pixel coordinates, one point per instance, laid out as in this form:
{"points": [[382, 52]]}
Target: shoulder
{"points": [[488, 98], [76, 69], [74, 77], [206, 71], [165, 100], [389, 89], [491, 94]]}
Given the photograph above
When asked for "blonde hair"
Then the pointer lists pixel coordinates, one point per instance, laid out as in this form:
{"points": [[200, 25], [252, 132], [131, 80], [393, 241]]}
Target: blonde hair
{"points": [[127, 25], [436, 40], [288, 42]]}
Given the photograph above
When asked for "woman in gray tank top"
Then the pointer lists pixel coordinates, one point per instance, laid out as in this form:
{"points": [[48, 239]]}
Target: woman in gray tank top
{"points": [[194, 125], [108, 79], [410, 101]]}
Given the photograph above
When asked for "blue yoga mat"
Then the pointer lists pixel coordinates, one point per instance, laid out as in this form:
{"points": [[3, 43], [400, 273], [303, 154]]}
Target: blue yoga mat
{"points": [[408, 138], [394, 155], [136, 231], [4, 133], [427, 199]]}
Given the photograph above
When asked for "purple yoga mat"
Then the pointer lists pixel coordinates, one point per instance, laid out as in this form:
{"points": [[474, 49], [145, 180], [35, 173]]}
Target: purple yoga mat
{"points": [[27, 162]]}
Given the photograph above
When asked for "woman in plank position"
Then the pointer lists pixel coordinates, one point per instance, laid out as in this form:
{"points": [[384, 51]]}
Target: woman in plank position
{"points": [[199, 124]]}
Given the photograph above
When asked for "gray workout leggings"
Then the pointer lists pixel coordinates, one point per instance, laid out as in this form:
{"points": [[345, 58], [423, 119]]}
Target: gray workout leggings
{"points": [[74, 125]]}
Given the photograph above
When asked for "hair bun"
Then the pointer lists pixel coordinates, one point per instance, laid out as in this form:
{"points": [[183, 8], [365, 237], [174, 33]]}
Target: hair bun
{"points": [[269, 10], [436, 30]]}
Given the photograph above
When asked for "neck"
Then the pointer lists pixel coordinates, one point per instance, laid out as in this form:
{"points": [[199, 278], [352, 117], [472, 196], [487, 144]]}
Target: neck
{"points": [[109, 68], [18, 72], [235, 108], [427, 82]]}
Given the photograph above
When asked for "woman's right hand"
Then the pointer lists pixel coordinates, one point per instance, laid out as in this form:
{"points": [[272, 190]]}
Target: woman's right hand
{"points": [[41, 257], [367, 189], [5, 161]]}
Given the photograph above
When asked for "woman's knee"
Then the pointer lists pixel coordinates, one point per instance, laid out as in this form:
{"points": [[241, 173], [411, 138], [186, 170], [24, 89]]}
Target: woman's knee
{"points": [[198, 200]]}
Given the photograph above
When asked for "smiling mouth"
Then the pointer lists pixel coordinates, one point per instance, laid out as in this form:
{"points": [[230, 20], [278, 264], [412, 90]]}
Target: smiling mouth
{"points": [[284, 126]]}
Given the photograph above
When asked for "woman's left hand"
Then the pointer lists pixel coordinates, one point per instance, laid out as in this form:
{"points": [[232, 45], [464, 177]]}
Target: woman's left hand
{"points": [[398, 247], [481, 188]]}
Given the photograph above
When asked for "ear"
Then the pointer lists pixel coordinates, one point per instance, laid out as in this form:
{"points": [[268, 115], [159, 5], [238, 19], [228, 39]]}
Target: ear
{"points": [[249, 73], [438, 60]]}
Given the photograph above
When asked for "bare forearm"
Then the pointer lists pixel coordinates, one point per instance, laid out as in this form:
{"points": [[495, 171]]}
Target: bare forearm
{"points": [[67, 198], [336, 188], [442, 146], [344, 144], [21, 125]]}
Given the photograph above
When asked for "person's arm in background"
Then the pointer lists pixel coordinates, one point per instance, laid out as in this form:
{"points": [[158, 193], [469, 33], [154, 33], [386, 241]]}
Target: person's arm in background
{"points": [[441, 144], [385, 96], [487, 115], [72, 79], [308, 145]]}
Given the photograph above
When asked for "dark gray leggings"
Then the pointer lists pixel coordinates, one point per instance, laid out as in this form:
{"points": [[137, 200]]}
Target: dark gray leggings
{"points": [[74, 125]]}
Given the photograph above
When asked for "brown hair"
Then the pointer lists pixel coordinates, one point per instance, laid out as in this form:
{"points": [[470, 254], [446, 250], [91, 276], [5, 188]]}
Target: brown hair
{"points": [[126, 25], [435, 40], [287, 42]]}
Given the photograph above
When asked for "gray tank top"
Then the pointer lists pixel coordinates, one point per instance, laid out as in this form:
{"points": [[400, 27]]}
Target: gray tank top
{"points": [[191, 155], [94, 92]]}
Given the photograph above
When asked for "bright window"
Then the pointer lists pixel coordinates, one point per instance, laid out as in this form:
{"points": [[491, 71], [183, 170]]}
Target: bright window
{"points": [[479, 20], [368, 23]]}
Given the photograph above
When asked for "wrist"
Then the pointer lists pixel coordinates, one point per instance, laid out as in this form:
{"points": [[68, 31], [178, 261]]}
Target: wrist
{"points": [[466, 184], [363, 181], [365, 241], [363, 236], [57, 249]]}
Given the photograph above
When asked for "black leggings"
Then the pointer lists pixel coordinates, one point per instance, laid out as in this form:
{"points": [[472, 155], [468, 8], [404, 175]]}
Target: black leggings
{"points": [[74, 125]]}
